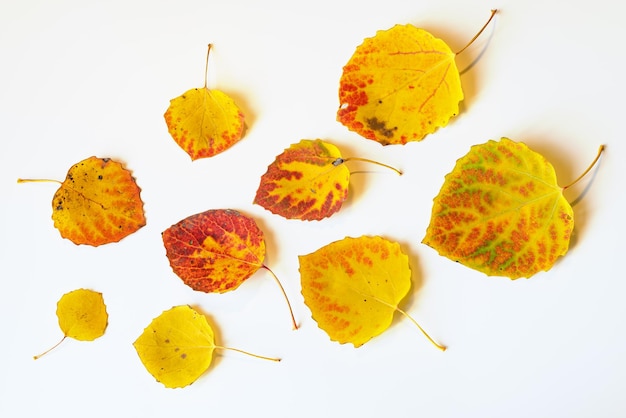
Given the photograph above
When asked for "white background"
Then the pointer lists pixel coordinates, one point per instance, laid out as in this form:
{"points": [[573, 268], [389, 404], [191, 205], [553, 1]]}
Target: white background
{"points": [[81, 78]]}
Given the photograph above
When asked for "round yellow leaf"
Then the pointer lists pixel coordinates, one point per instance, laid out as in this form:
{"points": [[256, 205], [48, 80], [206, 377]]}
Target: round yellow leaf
{"points": [[177, 346], [82, 314]]}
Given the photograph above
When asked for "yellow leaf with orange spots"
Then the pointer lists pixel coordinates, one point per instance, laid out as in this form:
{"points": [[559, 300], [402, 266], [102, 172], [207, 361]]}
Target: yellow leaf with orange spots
{"points": [[399, 86], [501, 212], [353, 286], [98, 203], [204, 122]]}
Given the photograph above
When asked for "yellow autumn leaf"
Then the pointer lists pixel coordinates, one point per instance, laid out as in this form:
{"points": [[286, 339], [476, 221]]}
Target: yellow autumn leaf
{"points": [[203, 121], [500, 211], [82, 315], [177, 347], [400, 85], [353, 287]]}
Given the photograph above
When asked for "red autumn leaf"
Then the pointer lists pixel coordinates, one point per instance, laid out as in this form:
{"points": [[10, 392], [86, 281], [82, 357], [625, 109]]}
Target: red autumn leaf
{"points": [[216, 251]]}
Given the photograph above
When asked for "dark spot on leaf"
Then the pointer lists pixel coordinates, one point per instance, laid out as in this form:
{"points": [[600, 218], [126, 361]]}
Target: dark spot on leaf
{"points": [[338, 161], [100, 177], [381, 127], [183, 356]]}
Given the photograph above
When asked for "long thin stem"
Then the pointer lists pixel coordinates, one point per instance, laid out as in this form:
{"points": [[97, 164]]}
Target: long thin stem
{"points": [[373, 162], [247, 353], [282, 289], [38, 181], [595, 160], [493, 13], [206, 66], [439, 346], [38, 356]]}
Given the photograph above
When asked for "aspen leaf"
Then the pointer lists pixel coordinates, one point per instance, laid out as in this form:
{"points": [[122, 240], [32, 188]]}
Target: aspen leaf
{"points": [[203, 121], [98, 203], [177, 347], [308, 181], [353, 287], [400, 85], [216, 251], [501, 212], [82, 315]]}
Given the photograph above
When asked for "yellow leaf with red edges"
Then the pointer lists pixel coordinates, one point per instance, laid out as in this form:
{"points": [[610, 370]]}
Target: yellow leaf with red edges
{"points": [[501, 212], [308, 181], [204, 122], [98, 203], [82, 316], [216, 250], [177, 347], [399, 86], [353, 286]]}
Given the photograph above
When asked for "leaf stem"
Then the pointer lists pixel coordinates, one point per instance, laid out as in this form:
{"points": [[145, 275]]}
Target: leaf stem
{"points": [[38, 181], [247, 353], [372, 162], [493, 13], [206, 66], [595, 160], [282, 289], [439, 346], [38, 356]]}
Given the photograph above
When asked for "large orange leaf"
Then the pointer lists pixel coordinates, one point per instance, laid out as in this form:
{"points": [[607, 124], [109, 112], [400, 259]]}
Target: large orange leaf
{"points": [[98, 203], [353, 287], [308, 181], [204, 122], [399, 86], [501, 212]]}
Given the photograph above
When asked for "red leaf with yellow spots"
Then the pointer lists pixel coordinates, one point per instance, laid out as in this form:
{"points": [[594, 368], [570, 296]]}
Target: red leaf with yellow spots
{"points": [[216, 251], [308, 181], [400, 85], [353, 287], [501, 212], [98, 203], [204, 122]]}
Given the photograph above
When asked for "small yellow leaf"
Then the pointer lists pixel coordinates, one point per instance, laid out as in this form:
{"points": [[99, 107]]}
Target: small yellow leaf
{"points": [[82, 315], [177, 346], [204, 122]]}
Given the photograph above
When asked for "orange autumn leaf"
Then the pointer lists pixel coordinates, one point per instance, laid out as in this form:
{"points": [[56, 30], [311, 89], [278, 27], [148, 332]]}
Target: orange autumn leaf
{"points": [[501, 212], [308, 181], [98, 203], [203, 121], [353, 287], [216, 251], [400, 85]]}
